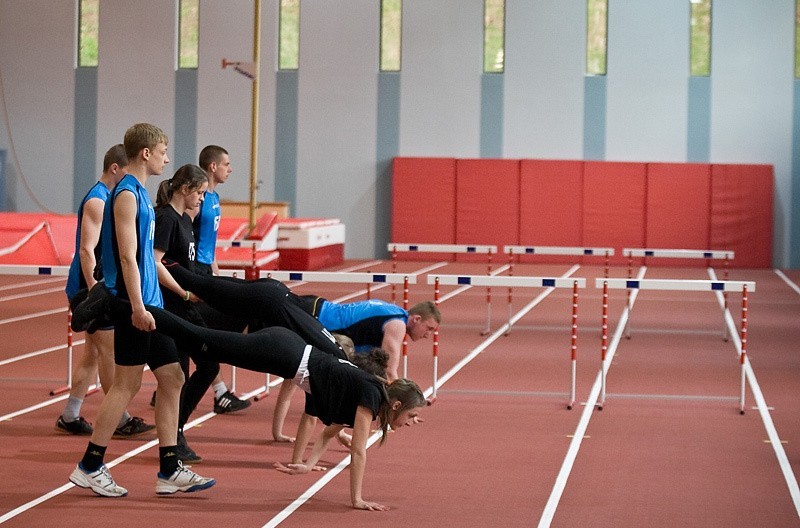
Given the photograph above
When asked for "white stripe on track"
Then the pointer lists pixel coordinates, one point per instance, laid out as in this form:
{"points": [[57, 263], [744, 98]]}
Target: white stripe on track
{"points": [[122, 458], [761, 404], [32, 316], [31, 283], [788, 281], [31, 294], [40, 352], [331, 473], [572, 452]]}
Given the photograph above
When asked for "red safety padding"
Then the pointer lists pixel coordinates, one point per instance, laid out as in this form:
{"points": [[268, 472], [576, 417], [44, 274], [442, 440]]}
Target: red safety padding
{"points": [[424, 204], [551, 206], [679, 210], [614, 206], [742, 212], [487, 205], [264, 224], [52, 245]]}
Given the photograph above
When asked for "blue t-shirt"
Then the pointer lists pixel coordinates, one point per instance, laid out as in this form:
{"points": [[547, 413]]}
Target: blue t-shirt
{"points": [[206, 224], [361, 321], [75, 279], [145, 258]]}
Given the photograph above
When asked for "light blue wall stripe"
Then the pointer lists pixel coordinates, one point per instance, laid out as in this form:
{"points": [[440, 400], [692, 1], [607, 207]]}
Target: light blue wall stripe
{"points": [[698, 137], [286, 89], [387, 147], [185, 141], [594, 117], [492, 115], [84, 160], [794, 213]]}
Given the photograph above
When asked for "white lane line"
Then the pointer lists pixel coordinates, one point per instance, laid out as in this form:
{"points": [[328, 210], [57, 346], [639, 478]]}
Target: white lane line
{"points": [[122, 458], [40, 352], [575, 444], [788, 281], [17, 285], [31, 294], [32, 316], [332, 472], [761, 404]]}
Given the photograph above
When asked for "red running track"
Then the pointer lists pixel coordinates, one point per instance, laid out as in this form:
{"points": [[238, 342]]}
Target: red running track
{"points": [[668, 449]]}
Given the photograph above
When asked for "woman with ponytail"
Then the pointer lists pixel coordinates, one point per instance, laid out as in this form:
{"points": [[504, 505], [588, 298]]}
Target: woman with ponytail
{"points": [[338, 392], [174, 241]]}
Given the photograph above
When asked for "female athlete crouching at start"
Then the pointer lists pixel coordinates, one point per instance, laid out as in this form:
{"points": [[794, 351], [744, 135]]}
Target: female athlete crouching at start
{"points": [[337, 392]]}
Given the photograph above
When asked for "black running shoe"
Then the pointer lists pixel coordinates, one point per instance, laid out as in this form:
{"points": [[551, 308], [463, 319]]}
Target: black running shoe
{"points": [[79, 426], [185, 453], [95, 305], [229, 403], [134, 427]]}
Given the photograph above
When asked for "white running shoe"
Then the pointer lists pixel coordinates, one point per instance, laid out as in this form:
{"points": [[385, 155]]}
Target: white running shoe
{"points": [[100, 482], [184, 479]]}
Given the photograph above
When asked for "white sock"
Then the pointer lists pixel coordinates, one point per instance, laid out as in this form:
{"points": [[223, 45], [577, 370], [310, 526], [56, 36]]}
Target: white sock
{"points": [[125, 417], [220, 389], [72, 409]]}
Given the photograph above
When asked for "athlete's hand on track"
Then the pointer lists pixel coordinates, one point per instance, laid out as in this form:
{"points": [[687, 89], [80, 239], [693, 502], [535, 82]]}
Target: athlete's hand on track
{"points": [[371, 506], [297, 469]]}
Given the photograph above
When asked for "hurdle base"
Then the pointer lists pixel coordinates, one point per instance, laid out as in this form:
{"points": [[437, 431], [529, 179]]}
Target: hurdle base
{"points": [[60, 390], [260, 396]]}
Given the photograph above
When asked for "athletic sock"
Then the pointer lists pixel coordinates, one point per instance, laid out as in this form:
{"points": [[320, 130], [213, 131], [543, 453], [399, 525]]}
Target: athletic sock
{"points": [[126, 416], [72, 409], [93, 457], [220, 389], [168, 460]]}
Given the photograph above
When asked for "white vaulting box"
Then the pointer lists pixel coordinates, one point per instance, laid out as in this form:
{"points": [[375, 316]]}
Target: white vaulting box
{"points": [[310, 243]]}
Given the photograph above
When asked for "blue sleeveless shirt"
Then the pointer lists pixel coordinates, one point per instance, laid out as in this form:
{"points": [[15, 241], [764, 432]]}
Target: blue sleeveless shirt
{"points": [[361, 321], [75, 279], [206, 224], [145, 258]]}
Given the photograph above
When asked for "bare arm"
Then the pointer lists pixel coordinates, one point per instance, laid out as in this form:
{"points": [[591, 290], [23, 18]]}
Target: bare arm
{"points": [[125, 220], [358, 462], [91, 223], [394, 332], [166, 279], [304, 431]]}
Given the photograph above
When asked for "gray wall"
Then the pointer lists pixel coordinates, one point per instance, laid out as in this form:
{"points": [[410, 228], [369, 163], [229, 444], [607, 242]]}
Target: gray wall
{"points": [[327, 144]]}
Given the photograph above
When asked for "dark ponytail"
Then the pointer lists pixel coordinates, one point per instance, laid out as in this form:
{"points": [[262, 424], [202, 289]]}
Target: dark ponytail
{"points": [[192, 176]]}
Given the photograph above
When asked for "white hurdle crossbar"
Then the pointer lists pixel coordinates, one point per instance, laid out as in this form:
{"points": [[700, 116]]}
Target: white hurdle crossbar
{"points": [[352, 277], [464, 249], [675, 285], [510, 282], [708, 254]]}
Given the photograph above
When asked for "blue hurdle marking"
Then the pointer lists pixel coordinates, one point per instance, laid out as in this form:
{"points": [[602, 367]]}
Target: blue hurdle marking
{"points": [[588, 252], [549, 282], [708, 255], [649, 253], [295, 276], [379, 278], [530, 250], [413, 248], [717, 286], [45, 271], [464, 280], [632, 284], [471, 249]]}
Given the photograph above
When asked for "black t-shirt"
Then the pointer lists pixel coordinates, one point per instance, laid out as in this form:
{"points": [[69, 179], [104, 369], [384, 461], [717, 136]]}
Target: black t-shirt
{"points": [[175, 238], [338, 387]]}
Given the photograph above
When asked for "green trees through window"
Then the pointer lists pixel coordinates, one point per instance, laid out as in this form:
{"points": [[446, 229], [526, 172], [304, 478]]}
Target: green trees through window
{"points": [[88, 24]]}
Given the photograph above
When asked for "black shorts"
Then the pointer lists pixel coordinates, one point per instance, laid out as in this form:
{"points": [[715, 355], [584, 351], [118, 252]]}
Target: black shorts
{"points": [[133, 347]]}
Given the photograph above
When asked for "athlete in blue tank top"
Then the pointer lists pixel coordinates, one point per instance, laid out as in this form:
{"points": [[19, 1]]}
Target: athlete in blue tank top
{"points": [[145, 229], [76, 280], [206, 224], [362, 321]]}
